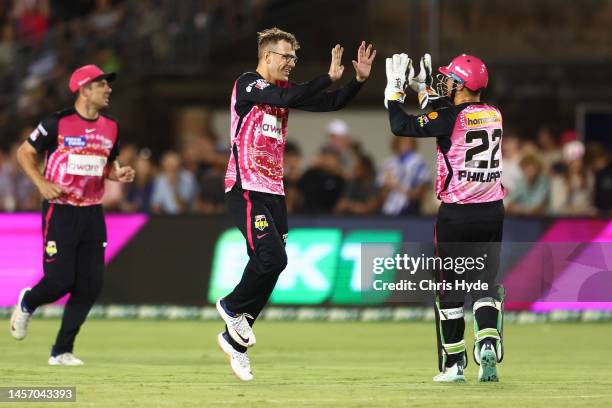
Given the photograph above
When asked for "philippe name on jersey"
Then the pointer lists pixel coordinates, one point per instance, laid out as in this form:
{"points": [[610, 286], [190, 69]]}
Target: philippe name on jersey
{"points": [[481, 176]]}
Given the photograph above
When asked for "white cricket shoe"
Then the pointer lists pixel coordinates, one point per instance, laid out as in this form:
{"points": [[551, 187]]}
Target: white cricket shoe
{"points": [[67, 359], [451, 374], [488, 364], [237, 326], [20, 318], [239, 362]]}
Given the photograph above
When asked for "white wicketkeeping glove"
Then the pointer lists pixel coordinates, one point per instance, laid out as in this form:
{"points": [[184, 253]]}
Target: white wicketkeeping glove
{"points": [[422, 83], [396, 77]]}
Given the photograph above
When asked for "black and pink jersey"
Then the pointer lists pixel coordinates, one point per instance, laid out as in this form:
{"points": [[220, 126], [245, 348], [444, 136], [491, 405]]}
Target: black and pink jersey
{"points": [[259, 116], [469, 139], [78, 153]]}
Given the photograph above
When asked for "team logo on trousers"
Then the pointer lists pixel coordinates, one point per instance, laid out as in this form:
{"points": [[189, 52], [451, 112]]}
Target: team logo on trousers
{"points": [[260, 222], [51, 248]]}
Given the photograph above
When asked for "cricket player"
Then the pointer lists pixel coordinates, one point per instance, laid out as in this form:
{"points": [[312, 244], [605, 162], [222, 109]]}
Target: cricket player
{"points": [[468, 134], [260, 106], [81, 147]]}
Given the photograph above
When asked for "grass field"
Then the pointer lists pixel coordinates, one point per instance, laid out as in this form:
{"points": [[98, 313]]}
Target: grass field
{"points": [[177, 364]]}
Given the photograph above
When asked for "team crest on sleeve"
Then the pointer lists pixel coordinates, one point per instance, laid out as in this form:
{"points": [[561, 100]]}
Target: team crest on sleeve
{"points": [[432, 115], [259, 84], [260, 222], [422, 120], [51, 248]]}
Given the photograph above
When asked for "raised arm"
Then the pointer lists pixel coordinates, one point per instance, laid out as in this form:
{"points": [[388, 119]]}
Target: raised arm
{"points": [[338, 99], [252, 88]]}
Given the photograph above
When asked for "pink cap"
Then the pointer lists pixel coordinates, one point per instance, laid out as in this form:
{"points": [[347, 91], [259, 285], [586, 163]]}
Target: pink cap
{"points": [[86, 74]]}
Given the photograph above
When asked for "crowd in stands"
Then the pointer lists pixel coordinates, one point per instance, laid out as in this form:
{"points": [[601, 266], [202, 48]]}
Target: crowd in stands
{"points": [[549, 174]]}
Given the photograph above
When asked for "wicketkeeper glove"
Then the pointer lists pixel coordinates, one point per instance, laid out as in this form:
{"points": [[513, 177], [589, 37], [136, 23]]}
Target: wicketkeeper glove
{"points": [[422, 83], [396, 77]]}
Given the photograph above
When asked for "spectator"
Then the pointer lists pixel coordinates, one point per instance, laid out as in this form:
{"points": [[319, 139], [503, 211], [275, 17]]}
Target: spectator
{"points": [[17, 193], [322, 185], [577, 182], [175, 189], [212, 190], [362, 195], [7, 50], [511, 153], [138, 195], [32, 18], [531, 193], [340, 140], [602, 165], [550, 152], [404, 178], [292, 174], [105, 18]]}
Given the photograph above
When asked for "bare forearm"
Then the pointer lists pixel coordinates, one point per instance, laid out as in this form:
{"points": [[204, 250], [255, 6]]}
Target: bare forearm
{"points": [[28, 161]]}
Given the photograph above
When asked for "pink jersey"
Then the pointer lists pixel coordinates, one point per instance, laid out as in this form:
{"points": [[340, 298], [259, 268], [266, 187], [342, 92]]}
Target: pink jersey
{"points": [[260, 142], [470, 172], [78, 152], [259, 115]]}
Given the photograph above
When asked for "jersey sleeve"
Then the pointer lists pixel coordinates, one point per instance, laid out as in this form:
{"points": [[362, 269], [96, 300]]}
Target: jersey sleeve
{"points": [[437, 123], [440, 102], [114, 153], [331, 100], [252, 88], [44, 137]]}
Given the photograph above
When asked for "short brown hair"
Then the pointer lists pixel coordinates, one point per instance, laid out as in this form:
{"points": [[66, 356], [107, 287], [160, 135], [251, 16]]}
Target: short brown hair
{"points": [[272, 36]]}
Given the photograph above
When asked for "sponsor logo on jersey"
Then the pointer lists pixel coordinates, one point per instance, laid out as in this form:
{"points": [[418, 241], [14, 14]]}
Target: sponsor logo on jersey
{"points": [[422, 120], [432, 115], [259, 84], [260, 222], [75, 141], [271, 126], [482, 118], [86, 165], [51, 248], [107, 143]]}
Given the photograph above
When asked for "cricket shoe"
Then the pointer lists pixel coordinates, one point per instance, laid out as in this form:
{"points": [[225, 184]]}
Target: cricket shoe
{"points": [[239, 362], [20, 318], [451, 374], [238, 326], [66, 359], [488, 363]]}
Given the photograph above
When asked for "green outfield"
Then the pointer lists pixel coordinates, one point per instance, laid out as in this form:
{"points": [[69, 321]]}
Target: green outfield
{"points": [[132, 363]]}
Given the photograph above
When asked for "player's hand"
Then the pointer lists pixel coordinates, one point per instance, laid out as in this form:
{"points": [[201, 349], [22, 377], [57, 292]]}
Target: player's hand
{"points": [[363, 65], [396, 67], [422, 83], [419, 82], [124, 174], [49, 190], [336, 68]]}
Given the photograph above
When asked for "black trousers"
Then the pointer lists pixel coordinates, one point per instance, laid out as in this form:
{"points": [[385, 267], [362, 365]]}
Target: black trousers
{"points": [[462, 231], [262, 219], [74, 240]]}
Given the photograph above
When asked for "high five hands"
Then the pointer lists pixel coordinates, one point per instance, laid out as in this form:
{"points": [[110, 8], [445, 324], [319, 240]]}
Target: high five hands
{"points": [[400, 74], [363, 65]]}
